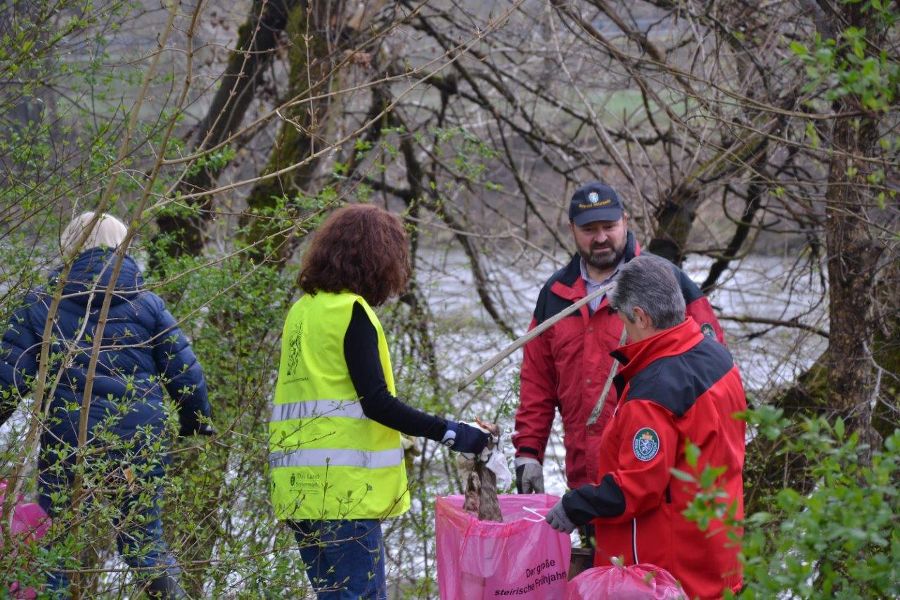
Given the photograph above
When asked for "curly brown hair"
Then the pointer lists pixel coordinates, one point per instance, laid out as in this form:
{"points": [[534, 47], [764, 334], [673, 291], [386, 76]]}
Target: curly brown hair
{"points": [[361, 249]]}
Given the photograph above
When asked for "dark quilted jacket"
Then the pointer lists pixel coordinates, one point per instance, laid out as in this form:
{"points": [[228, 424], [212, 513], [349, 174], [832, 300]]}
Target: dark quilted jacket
{"points": [[143, 351]]}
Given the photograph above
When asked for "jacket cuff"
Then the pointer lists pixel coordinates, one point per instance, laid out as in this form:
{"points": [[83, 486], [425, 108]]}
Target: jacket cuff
{"points": [[189, 421], [591, 501], [527, 451]]}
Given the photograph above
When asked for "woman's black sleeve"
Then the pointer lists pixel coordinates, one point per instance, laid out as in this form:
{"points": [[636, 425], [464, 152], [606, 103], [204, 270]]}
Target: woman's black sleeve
{"points": [[364, 365]]}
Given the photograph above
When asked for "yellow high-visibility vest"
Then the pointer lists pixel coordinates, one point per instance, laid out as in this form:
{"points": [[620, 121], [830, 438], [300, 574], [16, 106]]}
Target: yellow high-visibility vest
{"points": [[327, 460]]}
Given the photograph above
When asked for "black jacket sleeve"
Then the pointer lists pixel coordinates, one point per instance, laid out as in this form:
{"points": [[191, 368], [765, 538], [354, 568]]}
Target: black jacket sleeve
{"points": [[364, 364], [591, 501]]}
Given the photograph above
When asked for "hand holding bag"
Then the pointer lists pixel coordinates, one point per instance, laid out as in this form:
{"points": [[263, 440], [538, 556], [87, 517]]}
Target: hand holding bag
{"points": [[521, 557]]}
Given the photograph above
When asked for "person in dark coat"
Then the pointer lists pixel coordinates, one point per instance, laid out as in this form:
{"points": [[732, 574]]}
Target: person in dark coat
{"points": [[118, 466]]}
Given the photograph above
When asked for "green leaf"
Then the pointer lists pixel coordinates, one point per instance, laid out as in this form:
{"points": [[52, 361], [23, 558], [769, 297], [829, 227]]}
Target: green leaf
{"points": [[691, 453], [682, 475], [799, 49]]}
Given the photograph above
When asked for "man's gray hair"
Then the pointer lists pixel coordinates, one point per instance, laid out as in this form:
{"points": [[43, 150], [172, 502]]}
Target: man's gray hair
{"points": [[107, 231], [649, 282]]}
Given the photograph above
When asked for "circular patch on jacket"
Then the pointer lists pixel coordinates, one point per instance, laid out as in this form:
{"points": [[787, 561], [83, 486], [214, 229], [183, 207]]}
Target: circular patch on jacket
{"points": [[708, 330], [645, 444]]}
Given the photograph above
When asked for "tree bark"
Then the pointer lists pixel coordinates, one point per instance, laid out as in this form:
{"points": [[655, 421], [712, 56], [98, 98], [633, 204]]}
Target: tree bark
{"points": [[852, 248], [257, 41], [318, 34], [853, 255]]}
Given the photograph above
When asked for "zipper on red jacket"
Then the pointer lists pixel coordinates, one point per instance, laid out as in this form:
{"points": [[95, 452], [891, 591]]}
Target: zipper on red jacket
{"points": [[634, 551]]}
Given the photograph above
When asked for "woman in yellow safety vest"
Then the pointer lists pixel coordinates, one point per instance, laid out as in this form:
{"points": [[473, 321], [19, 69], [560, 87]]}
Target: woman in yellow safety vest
{"points": [[335, 455]]}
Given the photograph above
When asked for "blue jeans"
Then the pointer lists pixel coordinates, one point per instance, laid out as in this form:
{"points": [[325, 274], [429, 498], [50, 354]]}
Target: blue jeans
{"points": [[344, 559], [139, 538]]}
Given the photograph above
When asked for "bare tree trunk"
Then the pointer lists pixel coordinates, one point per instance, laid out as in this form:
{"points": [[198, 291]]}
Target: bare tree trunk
{"points": [[674, 220], [318, 32], [257, 40], [853, 255], [853, 250], [675, 214]]}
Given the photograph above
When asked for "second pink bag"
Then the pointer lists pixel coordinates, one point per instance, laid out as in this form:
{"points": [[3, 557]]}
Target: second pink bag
{"points": [[27, 524], [634, 582]]}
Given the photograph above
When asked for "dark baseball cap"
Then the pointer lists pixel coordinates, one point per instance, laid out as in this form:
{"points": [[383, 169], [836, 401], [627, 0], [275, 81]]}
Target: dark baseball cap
{"points": [[595, 201]]}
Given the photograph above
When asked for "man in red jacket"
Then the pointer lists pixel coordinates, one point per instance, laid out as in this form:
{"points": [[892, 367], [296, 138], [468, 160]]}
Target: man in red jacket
{"points": [[568, 367], [679, 389]]}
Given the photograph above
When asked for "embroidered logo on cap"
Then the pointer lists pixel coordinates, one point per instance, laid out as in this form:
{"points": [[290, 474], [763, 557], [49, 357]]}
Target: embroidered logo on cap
{"points": [[645, 444], [594, 197]]}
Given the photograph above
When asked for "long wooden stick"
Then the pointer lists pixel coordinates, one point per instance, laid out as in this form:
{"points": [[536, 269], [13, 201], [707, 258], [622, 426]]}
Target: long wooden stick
{"points": [[531, 335]]}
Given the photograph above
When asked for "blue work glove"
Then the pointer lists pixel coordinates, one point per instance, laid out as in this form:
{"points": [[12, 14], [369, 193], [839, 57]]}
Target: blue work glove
{"points": [[559, 520], [465, 438]]}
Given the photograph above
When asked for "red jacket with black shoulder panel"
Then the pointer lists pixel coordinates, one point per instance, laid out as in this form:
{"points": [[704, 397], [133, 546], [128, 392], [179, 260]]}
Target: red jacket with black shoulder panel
{"points": [[677, 387]]}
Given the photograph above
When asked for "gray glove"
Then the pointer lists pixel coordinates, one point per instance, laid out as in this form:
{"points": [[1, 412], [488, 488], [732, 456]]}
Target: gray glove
{"points": [[558, 519], [529, 476]]}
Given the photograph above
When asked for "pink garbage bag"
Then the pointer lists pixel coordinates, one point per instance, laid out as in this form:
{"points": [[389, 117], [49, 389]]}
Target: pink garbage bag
{"points": [[521, 557], [27, 524], [634, 582]]}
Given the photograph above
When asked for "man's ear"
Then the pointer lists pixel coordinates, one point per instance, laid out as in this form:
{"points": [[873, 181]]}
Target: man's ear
{"points": [[642, 318]]}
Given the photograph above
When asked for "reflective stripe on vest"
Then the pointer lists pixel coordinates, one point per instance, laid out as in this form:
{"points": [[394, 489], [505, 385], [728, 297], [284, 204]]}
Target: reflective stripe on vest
{"points": [[317, 408], [336, 458], [327, 460]]}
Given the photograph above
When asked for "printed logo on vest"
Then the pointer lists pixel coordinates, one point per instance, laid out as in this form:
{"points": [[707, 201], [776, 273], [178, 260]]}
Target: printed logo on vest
{"points": [[294, 344], [708, 330], [645, 444]]}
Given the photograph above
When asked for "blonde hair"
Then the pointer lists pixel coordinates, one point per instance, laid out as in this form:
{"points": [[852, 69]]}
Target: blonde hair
{"points": [[107, 231]]}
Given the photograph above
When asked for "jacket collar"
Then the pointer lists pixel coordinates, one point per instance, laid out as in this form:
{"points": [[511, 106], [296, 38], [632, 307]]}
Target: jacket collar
{"points": [[91, 272], [669, 342]]}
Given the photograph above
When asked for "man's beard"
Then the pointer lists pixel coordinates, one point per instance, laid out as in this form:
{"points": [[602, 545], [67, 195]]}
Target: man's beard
{"points": [[604, 261]]}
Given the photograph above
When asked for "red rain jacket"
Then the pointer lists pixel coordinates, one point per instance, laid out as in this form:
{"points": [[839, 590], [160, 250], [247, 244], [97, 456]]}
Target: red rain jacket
{"points": [[679, 387]]}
